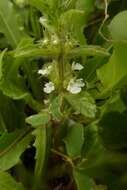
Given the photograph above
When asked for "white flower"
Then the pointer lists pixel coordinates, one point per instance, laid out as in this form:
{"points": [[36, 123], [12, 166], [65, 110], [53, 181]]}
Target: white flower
{"points": [[45, 71], [75, 86], [76, 66], [49, 87], [45, 41], [54, 39], [43, 20]]}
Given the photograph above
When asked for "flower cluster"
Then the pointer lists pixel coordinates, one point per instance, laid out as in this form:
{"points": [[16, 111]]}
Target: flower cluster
{"points": [[74, 86]]}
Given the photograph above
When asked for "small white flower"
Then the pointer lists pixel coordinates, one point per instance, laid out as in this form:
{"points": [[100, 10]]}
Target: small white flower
{"points": [[76, 66], [45, 71], [45, 41], [43, 20], [49, 87], [55, 40], [75, 86]]}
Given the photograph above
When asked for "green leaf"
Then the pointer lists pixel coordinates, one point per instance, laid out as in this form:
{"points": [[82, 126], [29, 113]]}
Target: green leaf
{"points": [[118, 27], [114, 73], [11, 114], [74, 140], [93, 151], [115, 103], [12, 84], [8, 183], [88, 50], [39, 119], [55, 108], [40, 145], [9, 23], [12, 145], [35, 52], [83, 181], [83, 103]]}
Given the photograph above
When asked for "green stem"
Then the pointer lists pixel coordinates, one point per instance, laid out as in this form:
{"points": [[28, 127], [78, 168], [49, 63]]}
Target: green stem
{"points": [[61, 62]]}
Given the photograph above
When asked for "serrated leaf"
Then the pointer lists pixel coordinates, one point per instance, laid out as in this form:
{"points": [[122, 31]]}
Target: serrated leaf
{"points": [[9, 23], [74, 140], [8, 183], [39, 119], [83, 103], [12, 145], [83, 181], [40, 145]]}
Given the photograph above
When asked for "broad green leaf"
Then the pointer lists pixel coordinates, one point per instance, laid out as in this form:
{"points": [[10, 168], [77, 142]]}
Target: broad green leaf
{"points": [[12, 145], [83, 103], [39, 119], [9, 23], [114, 73], [74, 140], [12, 84], [8, 183], [83, 181], [118, 27], [40, 145], [55, 108]]}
